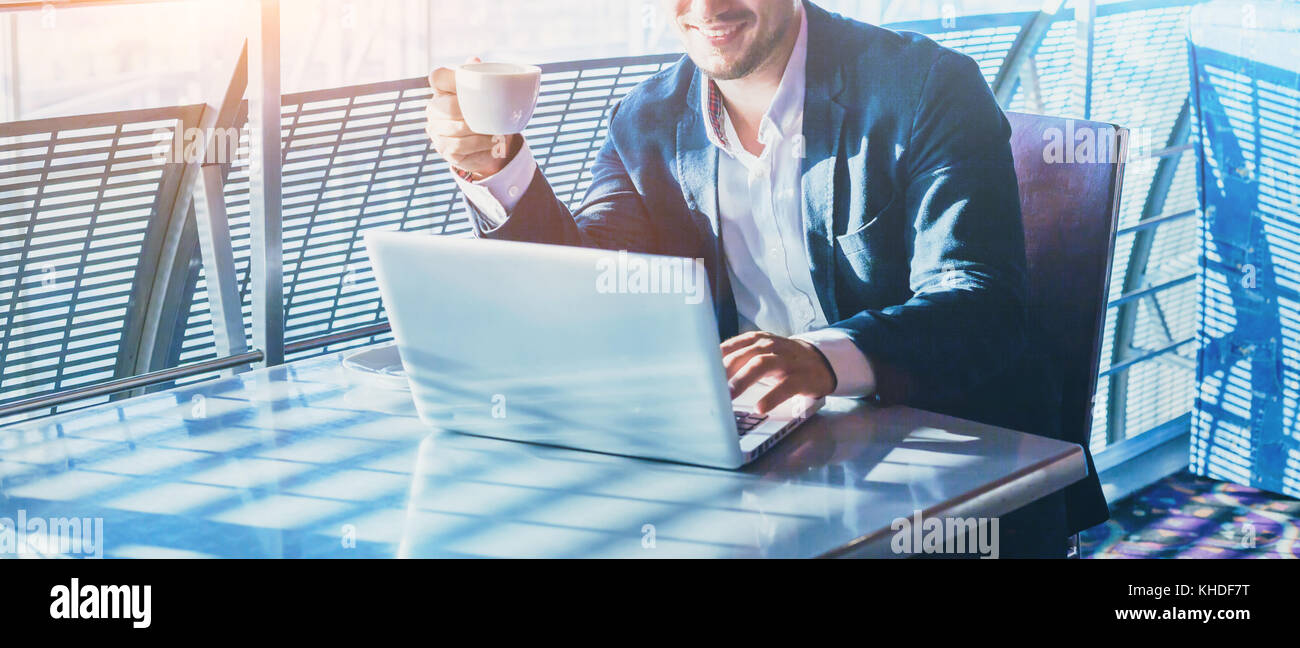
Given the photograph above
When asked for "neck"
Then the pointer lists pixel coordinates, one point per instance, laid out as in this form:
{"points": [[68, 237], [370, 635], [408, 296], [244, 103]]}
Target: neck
{"points": [[748, 98]]}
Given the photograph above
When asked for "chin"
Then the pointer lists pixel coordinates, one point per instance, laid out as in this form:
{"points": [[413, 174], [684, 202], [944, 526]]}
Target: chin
{"points": [[716, 67], [738, 61]]}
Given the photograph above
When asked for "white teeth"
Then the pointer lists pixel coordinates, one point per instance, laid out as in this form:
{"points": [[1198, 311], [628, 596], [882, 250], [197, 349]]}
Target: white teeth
{"points": [[719, 33]]}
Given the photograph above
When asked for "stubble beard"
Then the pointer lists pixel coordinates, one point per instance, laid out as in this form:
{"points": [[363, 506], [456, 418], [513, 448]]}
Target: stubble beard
{"points": [[753, 58]]}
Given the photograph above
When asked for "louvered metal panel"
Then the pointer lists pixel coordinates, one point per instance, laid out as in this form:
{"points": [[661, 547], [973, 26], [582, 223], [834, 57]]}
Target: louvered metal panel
{"points": [[1046, 88], [80, 199], [1140, 80], [1248, 103], [985, 38]]}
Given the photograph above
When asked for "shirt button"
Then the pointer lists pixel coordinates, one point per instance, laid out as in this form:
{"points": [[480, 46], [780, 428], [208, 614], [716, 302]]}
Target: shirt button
{"points": [[514, 192]]}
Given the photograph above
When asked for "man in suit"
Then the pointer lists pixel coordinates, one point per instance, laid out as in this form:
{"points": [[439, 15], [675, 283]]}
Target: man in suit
{"points": [[850, 191]]}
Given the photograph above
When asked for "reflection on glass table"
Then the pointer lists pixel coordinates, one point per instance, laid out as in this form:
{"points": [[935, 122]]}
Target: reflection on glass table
{"points": [[300, 461]]}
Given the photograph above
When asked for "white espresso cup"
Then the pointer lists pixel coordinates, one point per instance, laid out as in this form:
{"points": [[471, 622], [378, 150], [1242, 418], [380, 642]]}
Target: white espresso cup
{"points": [[497, 98]]}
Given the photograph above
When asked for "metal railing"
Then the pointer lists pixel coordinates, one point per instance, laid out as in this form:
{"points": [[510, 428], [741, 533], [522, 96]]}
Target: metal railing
{"points": [[354, 159], [165, 376]]}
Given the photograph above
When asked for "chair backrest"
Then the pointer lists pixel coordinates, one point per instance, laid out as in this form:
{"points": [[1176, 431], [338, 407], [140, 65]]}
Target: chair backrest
{"points": [[1071, 173]]}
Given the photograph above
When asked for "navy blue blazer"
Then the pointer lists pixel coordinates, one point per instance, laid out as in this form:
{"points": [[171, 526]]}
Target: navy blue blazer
{"points": [[911, 209]]}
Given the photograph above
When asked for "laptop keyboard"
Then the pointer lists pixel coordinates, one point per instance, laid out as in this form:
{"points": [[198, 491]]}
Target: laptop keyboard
{"points": [[747, 422]]}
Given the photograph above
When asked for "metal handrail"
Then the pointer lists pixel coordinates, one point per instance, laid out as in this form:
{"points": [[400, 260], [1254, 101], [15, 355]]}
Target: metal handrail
{"points": [[164, 376], [337, 338], [127, 384]]}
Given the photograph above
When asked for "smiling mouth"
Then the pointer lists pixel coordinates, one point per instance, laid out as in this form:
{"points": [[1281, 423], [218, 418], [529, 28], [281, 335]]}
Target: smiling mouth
{"points": [[720, 35]]}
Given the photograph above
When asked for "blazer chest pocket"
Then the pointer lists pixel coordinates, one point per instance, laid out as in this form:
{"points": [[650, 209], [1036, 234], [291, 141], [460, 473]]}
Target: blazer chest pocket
{"points": [[868, 249]]}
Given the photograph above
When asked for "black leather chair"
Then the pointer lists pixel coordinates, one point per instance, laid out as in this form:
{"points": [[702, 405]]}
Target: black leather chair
{"points": [[1070, 201]]}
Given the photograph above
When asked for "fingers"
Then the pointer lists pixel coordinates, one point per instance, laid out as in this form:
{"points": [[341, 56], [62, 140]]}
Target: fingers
{"points": [[777, 397], [768, 366], [454, 130], [443, 81], [450, 135], [791, 367], [760, 367], [737, 352], [458, 150], [448, 128], [484, 155], [741, 341], [734, 362], [461, 148], [445, 106], [746, 357], [465, 155]]}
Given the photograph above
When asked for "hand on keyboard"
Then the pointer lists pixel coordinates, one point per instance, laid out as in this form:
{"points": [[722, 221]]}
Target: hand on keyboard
{"points": [[795, 368]]}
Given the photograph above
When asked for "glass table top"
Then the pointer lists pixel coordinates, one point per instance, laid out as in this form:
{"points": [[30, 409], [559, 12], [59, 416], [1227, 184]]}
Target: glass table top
{"points": [[301, 461]]}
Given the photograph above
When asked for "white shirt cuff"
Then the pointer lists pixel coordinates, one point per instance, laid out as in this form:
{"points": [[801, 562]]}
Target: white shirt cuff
{"points": [[497, 195], [853, 371]]}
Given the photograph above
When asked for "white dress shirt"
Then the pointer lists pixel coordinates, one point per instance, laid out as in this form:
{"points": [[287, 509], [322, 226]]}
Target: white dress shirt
{"points": [[760, 203]]}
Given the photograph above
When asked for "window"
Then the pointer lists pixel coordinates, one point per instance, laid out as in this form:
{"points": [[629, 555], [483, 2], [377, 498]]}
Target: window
{"points": [[92, 287]]}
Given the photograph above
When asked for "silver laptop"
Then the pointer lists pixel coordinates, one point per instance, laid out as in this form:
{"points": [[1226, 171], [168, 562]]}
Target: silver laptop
{"points": [[588, 349]]}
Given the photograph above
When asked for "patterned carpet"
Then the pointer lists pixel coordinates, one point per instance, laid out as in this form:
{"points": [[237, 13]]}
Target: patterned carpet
{"points": [[1184, 516]]}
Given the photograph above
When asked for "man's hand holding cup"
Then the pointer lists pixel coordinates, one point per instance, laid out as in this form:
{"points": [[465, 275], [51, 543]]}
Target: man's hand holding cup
{"points": [[477, 112]]}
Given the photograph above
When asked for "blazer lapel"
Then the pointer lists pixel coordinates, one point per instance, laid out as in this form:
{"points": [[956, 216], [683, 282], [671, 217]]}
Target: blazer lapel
{"points": [[697, 161], [822, 124], [697, 171]]}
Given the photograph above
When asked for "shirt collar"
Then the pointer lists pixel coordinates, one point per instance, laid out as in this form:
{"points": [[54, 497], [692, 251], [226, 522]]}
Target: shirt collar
{"points": [[787, 104]]}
